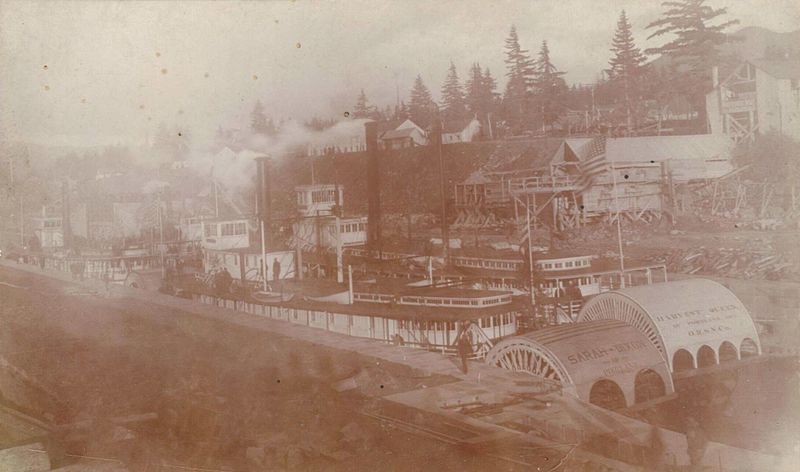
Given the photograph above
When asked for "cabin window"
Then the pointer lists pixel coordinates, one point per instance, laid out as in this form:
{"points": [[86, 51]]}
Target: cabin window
{"points": [[234, 229], [210, 230]]}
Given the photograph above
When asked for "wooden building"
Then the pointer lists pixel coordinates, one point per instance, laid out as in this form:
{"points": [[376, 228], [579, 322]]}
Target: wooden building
{"points": [[756, 96]]}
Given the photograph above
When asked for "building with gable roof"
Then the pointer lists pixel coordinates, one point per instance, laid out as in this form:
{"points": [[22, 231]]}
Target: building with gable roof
{"points": [[757, 96]]}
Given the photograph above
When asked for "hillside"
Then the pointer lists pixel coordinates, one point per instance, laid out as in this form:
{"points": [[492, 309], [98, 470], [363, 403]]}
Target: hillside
{"points": [[410, 177]]}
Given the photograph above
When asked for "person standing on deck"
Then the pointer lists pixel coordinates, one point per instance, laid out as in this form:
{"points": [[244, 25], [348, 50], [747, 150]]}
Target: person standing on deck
{"points": [[276, 269], [464, 346]]}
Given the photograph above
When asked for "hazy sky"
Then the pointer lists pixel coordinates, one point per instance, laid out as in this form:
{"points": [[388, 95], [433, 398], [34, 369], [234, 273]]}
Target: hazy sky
{"points": [[110, 72]]}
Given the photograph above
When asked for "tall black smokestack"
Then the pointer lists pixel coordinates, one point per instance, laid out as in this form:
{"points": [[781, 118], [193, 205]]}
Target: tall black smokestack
{"points": [[264, 200], [373, 186]]}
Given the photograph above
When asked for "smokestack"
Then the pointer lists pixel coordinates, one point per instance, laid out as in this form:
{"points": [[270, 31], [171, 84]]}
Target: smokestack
{"points": [[264, 200], [373, 186]]}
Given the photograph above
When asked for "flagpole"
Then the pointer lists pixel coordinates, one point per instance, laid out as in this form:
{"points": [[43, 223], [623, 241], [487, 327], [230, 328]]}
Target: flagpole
{"points": [[263, 257], [216, 200], [619, 226], [161, 239], [530, 251]]}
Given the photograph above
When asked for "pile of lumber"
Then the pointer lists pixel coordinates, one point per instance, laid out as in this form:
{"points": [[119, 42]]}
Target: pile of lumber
{"points": [[762, 263]]}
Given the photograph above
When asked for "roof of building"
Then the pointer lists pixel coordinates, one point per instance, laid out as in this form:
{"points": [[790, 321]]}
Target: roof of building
{"points": [[580, 354], [384, 126], [407, 312], [654, 149], [252, 251], [684, 314], [456, 126], [399, 133], [380, 310], [520, 154], [779, 68]]}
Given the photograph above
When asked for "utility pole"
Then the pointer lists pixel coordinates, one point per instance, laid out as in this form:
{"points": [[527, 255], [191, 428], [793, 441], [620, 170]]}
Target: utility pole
{"points": [[161, 239], [337, 212], [264, 171], [263, 256], [21, 223], [619, 226], [216, 200], [350, 283], [21, 209], [339, 263], [437, 136], [530, 253]]}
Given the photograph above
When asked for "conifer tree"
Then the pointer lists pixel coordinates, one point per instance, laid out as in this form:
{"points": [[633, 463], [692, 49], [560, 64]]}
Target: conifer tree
{"points": [[628, 59], [489, 89], [626, 67], [422, 107], [258, 119], [694, 48], [401, 111], [550, 88], [474, 88], [362, 108], [519, 72], [453, 106]]}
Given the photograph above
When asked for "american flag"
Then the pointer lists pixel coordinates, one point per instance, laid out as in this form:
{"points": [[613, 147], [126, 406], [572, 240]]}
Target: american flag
{"points": [[592, 163]]}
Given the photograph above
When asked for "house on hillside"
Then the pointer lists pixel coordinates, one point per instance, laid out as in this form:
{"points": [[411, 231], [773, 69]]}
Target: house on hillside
{"points": [[757, 96], [460, 131], [404, 135]]}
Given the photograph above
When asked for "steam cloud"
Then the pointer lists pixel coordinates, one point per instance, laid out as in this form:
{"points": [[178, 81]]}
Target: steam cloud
{"points": [[235, 170]]}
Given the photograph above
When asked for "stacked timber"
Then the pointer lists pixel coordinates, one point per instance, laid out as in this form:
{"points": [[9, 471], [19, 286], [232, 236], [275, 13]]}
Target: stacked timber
{"points": [[729, 262]]}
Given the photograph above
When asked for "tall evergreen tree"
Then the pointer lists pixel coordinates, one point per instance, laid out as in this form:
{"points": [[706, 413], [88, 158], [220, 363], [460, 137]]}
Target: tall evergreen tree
{"points": [[474, 88], [626, 68], [491, 99], [519, 72], [362, 108], [694, 48], [550, 88], [489, 89], [481, 96], [628, 59], [400, 111], [422, 107], [453, 106], [258, 119]]}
